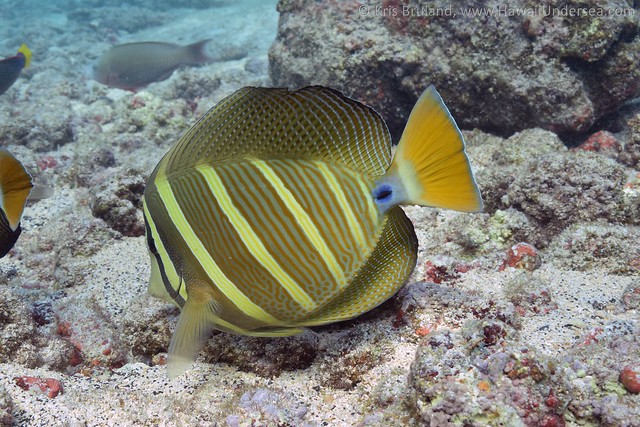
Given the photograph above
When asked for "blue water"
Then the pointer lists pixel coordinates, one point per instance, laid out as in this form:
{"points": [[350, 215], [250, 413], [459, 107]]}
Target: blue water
{"points": [[66, 36]]}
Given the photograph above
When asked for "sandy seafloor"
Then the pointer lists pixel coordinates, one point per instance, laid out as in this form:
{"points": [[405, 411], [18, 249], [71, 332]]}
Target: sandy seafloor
{"points": [[74, 304]]}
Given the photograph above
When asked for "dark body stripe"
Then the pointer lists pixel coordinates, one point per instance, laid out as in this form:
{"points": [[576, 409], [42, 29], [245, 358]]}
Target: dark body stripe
{"points": [[174, 293]]}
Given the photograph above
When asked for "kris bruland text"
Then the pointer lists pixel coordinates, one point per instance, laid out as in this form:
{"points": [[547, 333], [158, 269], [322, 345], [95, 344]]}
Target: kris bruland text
{"points": [[506, 11]]}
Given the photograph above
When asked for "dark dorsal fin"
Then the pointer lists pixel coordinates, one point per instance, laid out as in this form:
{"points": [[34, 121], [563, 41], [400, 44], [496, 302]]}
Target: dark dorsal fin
{"points": [[313, 123]]}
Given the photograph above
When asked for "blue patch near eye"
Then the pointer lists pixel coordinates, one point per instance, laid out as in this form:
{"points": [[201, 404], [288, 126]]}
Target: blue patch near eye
{"points": [[383, 193]]}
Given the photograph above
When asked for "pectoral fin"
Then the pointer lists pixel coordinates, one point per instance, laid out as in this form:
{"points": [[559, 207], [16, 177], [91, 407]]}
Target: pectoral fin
{"points": [[195, 324]]}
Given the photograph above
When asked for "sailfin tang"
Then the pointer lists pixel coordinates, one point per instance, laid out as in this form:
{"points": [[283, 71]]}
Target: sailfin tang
{"points": [[15, 186], [195, 324], [431, 162], [313, 123]]}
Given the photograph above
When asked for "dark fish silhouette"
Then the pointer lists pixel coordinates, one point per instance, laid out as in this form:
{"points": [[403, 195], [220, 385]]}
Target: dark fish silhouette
{"points": [[11, 67]]}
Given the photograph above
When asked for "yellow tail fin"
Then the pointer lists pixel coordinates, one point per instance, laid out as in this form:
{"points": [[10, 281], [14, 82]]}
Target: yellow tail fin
{"points": [[431, 162], [27, 54]]}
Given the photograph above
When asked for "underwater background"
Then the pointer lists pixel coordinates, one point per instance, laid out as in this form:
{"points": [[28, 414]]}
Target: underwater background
{"points": [[526, 314]]}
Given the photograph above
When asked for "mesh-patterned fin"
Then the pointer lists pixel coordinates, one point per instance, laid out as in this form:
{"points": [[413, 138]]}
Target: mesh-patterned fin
{"points": [[384, 272], [313, 123]]}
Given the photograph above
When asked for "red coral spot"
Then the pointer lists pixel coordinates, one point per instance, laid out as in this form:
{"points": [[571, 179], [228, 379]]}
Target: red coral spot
{"points": [[462, 267], [422, 331], [48, 386], [484, 386], [630, 378], [492, 334], [159, 359], [522, 255], [437, 273], [600, 141], [553, 420], [400, 319], [137, 102], [552, 401], [47, 162], [592, 336], [76, 357], [193, 105], [635, 263], [64, 329]]}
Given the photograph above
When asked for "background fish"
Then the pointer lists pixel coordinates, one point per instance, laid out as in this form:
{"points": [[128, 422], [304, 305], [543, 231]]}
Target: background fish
{"points": [[132, 66], [15, 186], [11, 67], [280, 210]]}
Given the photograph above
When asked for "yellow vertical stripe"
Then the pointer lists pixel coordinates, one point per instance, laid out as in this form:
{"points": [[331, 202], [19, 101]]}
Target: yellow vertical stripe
{"points": [[354, 224], [251, 239], [303, 219], [208, 264], [373, 209]]}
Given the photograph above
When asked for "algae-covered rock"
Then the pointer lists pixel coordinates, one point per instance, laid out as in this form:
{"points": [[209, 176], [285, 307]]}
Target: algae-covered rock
{"points": [[483, 374], [630, 155], [589, 246], [557, 190], [477, 376], [530, 295], [17, 331], [119, 203], [501, 71], [43, 131], [6, 406], [533, 173], [588, 378], [265, 357]]}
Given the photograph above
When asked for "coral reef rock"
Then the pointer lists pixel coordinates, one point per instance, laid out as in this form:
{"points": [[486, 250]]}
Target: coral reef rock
{"points": [[533, 173], [483, 374], [496, 72]]}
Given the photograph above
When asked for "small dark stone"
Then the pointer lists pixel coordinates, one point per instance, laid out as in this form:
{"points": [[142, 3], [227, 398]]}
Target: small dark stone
{"points": [[42, 312]]}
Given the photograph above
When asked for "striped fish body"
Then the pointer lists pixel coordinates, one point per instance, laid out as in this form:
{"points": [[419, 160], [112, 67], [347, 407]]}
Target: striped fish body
{"points": [[279, 210], [276, 243]]}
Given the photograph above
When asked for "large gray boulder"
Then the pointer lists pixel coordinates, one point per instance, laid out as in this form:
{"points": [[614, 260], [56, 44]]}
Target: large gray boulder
{"points": [[558, 68]]}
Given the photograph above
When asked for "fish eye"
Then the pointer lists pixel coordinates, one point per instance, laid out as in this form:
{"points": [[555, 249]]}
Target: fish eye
{"points": [[383, 193]]}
